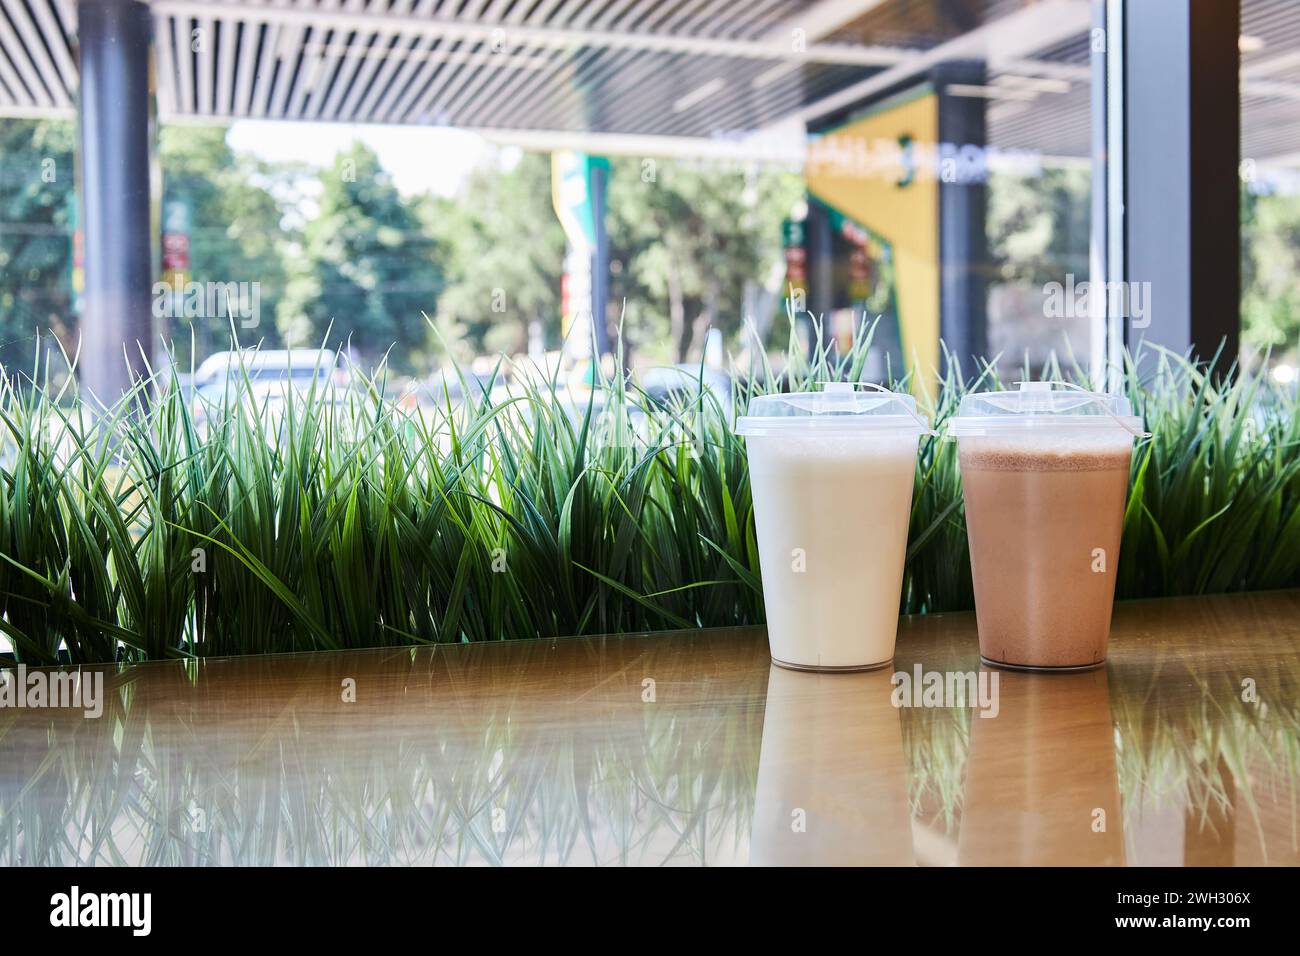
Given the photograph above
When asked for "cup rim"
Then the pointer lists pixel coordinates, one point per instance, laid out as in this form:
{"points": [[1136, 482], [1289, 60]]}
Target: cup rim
{"points": [[829, 424], [973, 426]]}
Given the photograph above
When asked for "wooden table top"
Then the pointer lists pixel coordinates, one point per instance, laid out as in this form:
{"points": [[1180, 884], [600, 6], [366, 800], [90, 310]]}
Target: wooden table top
{"points": [[682, 748]]}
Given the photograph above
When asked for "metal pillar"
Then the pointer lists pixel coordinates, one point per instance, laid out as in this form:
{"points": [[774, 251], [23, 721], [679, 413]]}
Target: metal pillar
{"points": [[114, 123]]}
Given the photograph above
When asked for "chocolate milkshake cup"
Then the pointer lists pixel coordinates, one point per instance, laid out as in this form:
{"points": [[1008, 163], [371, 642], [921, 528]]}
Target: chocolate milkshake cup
{"points": [[1045, 476], [831, 474]]}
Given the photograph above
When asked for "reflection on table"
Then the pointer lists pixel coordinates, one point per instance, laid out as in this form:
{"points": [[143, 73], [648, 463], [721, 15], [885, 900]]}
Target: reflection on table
{"points": [[681, 748], [1041, 786], [832, 778]]}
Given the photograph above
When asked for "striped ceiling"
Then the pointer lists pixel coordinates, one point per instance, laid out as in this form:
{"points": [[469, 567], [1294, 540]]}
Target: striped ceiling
{"points": [[669, 68], [1270, 79]]}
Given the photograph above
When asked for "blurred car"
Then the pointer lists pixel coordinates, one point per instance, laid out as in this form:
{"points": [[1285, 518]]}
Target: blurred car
{"points": [[675, 384], [268, 369], [456, 387], [273, 374]]}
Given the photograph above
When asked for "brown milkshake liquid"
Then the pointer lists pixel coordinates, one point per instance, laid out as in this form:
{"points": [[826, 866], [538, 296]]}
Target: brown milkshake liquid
{"points": [[1035, 520]]}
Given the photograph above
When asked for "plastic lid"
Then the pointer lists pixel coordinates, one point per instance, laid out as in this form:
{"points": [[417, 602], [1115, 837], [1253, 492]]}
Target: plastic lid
{"points": [[1043, 405], [838, 408]]}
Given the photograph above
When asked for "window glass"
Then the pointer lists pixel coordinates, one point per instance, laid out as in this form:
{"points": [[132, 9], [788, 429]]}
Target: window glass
{"points": [[1270, 188]]}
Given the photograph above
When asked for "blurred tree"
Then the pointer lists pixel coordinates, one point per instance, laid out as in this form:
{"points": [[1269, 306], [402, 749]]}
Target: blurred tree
{"points": [[502, 250], [37, 206], [1038, 232], [366, 266], [1270, 270], [688, 238], [1039, 228], [238, 229]]}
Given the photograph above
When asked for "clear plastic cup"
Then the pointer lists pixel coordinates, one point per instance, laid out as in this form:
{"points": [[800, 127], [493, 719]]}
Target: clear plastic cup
{"points": [[1045, 476], [831, 474]]}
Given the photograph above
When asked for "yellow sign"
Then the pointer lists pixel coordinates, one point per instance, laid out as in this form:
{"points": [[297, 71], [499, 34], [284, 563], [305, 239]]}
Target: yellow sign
{"points": [[880, 171]]}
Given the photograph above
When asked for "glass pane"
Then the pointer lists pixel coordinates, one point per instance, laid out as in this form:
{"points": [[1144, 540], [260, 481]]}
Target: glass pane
{"points": [[924, 163], [1270, 195], [957, 185]]}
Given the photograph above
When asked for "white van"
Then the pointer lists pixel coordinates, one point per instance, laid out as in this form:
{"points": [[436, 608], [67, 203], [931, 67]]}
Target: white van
{"points": [[269, 371], [274, 374]]}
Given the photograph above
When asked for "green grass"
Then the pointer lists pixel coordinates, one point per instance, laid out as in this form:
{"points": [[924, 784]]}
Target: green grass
{"points": [[134, 534]]}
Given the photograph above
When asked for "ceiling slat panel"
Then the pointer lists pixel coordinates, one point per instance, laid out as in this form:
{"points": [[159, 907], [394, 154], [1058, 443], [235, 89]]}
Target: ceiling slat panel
{"points": [[591, 72], [454, 77], [327, 46], [164, 43], [517, 64], [411, 44], [267, 67], [51, 75], [414, 67], [524, 86], [314, 63], [432, 73], [205, 58], [246, 71], [183, 28], [470, 30], [647, 72], [21, 59], [58, 43], [649, 102], [694, 68], [67, 10], [226, 52], [288, 56], [15, 90], [383, 51], [555, 88], [352, 58], [531, 81]]}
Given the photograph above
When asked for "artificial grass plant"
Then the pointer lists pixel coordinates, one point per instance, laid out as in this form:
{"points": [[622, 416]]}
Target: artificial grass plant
{"points": [[340, 517]]}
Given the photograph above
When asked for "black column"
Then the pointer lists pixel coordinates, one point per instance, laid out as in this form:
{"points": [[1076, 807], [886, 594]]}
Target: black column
{"points": [[114, 110], [820, 294], [963, 201], [599, 187], [1182, 152]]}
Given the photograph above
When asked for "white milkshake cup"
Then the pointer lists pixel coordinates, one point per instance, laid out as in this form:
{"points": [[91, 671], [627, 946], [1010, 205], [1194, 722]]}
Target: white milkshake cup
{"points": [[831, 475]]}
